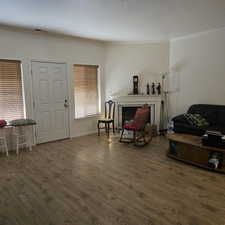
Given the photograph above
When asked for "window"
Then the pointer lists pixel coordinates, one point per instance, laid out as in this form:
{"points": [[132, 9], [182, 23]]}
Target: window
{"points": [[86, 90], [11, 93]]}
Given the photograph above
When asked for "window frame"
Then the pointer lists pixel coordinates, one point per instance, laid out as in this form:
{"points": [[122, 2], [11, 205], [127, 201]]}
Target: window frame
{"points": [[98, 93], [21, 61]]}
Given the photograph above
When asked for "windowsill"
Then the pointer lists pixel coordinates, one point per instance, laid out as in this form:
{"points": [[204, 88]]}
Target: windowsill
{"points": [[90, 116]]}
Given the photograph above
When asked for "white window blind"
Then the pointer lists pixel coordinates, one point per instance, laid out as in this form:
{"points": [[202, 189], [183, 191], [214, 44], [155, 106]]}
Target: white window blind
{"points": [[11, 94], [86, 90]]}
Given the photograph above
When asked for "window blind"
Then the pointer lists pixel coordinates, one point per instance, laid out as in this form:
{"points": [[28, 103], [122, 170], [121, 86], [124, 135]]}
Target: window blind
{"points": [[11, 94], [86, 90]]}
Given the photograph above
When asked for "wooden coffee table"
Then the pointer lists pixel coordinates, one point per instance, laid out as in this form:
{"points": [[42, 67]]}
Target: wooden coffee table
{"points": [[189, 149]]}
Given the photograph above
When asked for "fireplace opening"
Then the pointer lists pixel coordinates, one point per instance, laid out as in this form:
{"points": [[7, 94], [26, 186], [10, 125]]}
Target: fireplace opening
{"points": [[128, 113]]}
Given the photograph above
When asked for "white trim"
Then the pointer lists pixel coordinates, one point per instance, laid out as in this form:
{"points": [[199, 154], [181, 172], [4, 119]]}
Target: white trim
{"points": [[89, 116], [197, 34], [23, 89], [67, 87], [22, 71], [85, 133], [12, 58], [111, 43], [99, 85], [48, 61], [99, 94]]}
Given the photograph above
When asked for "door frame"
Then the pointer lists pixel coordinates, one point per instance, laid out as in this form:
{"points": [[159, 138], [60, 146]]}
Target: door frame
{"points": [[67, 92]]}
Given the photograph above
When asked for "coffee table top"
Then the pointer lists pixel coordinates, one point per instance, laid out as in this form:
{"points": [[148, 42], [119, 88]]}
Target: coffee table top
{"points": [[192, 140]]}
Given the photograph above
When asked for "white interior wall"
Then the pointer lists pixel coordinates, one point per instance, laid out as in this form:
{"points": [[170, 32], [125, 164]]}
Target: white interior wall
{"points": [[149, 60], [125, 60], [27, 46], [197, 62]]}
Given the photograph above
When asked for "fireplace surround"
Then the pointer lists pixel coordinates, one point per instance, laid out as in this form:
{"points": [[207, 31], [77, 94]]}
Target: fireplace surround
{"points": [[128, 113], [132, 102]]}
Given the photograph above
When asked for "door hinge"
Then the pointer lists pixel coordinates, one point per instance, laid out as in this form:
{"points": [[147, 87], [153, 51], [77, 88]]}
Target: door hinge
{"points": [[33, 104]]}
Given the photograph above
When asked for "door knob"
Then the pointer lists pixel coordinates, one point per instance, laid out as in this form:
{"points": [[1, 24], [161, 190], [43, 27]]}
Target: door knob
{"points": [[66, 105]]}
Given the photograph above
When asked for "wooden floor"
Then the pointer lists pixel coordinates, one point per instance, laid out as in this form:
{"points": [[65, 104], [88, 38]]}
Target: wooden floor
{"points": [[93, 180]]}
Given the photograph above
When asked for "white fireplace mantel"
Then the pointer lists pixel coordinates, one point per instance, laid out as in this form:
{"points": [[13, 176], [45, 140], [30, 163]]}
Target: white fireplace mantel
{"points": [[138, 100]]}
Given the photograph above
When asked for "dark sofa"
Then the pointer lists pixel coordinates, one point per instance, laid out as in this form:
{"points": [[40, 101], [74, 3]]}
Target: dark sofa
{"points": [[214, 114]]}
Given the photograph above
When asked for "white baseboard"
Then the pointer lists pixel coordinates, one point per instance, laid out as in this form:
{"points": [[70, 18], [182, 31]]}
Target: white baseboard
{"points": [[85, 133]]}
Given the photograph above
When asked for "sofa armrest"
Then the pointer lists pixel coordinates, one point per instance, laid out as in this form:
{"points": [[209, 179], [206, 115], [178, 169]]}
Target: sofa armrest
{"points": [[180, 119]]}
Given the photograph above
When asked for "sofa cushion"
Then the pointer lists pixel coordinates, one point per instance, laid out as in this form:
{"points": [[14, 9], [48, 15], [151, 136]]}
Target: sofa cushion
{"points": [[214, 115], [221, 118], [188, 129], [209, 112], [211, 117], [196, 120]]}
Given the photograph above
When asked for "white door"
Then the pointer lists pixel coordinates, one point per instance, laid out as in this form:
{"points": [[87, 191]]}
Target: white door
{"points": [[50, 101]]}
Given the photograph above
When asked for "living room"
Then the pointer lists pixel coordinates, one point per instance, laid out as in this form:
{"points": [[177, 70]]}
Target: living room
{"points": [[166, 54]]}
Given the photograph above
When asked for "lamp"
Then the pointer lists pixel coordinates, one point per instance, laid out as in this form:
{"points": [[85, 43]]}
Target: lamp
{"points": [[170, 84]]}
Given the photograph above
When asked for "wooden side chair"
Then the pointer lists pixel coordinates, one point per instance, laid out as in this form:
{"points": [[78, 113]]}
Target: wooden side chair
{"points": [[109, 117], [141, 128]]}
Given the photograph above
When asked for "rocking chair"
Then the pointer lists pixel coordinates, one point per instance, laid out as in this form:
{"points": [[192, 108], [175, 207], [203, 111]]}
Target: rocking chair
{"points": [[141, 128]]}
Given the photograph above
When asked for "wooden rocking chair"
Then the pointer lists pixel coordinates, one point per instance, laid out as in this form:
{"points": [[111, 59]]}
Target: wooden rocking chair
{"points": [[141, 128]]}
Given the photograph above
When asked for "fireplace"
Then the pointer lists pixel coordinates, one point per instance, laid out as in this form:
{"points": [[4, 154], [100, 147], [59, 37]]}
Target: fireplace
{"points": [[126, 106], [128, 113]]}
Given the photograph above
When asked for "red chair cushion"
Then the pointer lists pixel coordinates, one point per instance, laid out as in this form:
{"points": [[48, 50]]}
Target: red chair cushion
{"points": [[130, 127], [3, 123]]}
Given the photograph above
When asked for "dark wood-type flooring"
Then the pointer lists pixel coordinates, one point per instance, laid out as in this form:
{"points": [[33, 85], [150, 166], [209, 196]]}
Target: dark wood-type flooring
{"points": [[98, 181]]}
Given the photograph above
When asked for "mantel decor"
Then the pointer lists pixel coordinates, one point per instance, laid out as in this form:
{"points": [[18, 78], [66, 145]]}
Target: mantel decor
{"points": [[135, 85]]}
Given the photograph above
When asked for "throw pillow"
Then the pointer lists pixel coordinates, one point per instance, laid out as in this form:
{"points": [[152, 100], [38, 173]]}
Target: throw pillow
{"points": [[196, 120]]}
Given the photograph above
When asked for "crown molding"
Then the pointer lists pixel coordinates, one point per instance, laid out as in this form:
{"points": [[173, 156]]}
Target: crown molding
{"points": [[197, 34]]}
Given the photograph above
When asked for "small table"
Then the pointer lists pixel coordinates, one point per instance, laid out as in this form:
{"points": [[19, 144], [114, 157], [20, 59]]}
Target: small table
{"points": [[188, 148], [15, 136]]}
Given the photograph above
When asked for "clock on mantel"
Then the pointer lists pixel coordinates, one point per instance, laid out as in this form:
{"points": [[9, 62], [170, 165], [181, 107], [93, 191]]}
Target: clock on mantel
{"points": [[135, 85]]}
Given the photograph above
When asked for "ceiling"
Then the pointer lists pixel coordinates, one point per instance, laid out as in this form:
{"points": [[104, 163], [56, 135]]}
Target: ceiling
{"points": [[116, 20]]}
